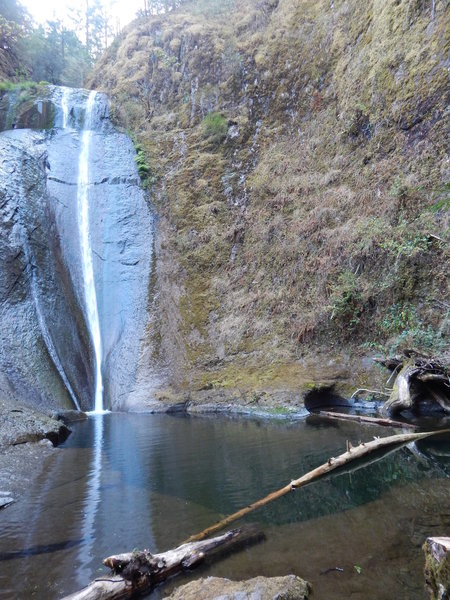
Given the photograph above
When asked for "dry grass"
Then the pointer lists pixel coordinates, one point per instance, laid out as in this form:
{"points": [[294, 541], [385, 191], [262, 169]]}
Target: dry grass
{"points": [[317, 212]]}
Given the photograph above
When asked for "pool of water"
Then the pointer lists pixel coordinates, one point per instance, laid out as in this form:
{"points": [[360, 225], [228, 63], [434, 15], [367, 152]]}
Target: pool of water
{"points": [[124, 481]]}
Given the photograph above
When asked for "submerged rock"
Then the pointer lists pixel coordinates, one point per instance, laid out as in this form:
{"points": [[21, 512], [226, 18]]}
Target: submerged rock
{"points": [[290, 587], [69, 416]]}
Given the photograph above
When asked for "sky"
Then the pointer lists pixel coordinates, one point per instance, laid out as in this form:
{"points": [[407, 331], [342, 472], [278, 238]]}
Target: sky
{"points": [[44, 10]]}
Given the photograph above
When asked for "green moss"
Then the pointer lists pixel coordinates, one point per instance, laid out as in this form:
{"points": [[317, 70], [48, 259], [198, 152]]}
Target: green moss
{"points": [[437, 575]]}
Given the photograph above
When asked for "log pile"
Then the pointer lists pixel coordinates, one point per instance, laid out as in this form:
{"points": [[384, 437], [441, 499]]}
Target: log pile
{"points": [[419, 379]]}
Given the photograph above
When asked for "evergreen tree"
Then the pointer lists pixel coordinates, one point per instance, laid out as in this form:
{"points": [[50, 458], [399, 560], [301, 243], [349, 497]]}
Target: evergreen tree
{"points": [[14, 26]]}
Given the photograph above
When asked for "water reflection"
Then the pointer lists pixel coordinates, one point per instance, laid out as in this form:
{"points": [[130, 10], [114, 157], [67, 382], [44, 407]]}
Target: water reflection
{"points": [[91, 503], [140, 481]]}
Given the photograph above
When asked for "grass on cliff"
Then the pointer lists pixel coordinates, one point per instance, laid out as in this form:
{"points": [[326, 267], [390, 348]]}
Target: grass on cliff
{"points": [[300, 156]]}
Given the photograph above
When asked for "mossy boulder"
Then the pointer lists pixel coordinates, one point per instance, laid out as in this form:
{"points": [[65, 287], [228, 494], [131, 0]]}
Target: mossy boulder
{"points": [[437, 567]]}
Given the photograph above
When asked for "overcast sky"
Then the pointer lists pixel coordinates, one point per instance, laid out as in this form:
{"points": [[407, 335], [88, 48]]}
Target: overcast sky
{"points": [[44, 10]]}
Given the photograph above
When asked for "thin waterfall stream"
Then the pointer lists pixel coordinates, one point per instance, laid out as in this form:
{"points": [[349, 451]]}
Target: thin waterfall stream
{"points": [[86, 251]]}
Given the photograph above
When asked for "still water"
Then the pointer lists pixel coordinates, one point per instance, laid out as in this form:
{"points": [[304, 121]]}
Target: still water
{"points": [[124, 481]]}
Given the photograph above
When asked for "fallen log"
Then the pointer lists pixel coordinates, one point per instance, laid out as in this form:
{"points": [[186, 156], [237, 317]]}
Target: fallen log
{"points": [[138, 572], [353, 453], [363, 419]]}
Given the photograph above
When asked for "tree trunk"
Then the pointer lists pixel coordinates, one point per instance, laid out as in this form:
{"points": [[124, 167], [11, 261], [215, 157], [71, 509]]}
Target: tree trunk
{"points": [[364, 419], [139, 572], [352, 454]]}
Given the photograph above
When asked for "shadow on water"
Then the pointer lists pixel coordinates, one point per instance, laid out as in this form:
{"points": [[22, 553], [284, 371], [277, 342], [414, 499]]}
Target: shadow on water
{"points": [[44, 549], [150, 481]]}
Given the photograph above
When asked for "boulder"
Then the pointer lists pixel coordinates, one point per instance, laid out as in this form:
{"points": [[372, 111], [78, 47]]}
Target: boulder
{"points": [[437, 567], [289, 587]]}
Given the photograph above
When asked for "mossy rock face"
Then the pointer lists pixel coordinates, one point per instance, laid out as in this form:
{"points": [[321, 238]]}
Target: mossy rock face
{"points": [[41, 115], [297, 155], [26, 107], [437, 567]]}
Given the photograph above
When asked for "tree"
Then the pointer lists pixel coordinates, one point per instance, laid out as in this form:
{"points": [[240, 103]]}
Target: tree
{"points": [[14, 26]]}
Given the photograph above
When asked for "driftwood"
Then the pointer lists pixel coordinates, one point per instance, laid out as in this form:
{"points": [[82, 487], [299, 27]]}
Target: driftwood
{"points": [[363, 419], [139, 572], [353, 453], [419, 377]]}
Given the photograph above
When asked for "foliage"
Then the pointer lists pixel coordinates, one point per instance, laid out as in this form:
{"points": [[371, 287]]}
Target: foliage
{"points": [[143, 167], [402, 327], [8, 86], [53, 52], [441, 199], [214, 127], [346, 299]]}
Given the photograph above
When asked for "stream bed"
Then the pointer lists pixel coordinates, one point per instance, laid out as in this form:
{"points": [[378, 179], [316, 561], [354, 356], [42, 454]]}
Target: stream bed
{"points": [[124, 481]]}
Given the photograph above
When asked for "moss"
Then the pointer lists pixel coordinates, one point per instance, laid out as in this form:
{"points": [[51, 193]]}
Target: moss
{"points": [[298, 155], [437, 574]]}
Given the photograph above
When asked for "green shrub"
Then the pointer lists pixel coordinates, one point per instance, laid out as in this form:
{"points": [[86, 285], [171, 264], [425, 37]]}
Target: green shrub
{"points": [[7, 86], [346, 299], [214, 127], [407, 329], [144, 170]]}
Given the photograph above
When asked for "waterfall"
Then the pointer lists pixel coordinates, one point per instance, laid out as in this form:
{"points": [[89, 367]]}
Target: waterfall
{"points": [[65, 107], [86, 251], [77, 250]]}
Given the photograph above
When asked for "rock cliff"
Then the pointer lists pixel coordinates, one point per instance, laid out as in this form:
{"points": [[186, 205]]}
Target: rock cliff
{"points": [[295, 153]]}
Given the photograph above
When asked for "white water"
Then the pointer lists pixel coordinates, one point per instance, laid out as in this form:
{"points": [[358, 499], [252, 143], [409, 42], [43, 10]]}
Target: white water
{"points": [[65, 107], [86, 252]]}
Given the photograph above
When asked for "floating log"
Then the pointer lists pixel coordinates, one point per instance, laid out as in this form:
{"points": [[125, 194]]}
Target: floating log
{"points": [[352, 454], [138, 572], [363, 419]]}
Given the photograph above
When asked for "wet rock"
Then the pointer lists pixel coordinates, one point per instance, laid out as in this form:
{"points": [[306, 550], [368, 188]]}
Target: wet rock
{"points": [[437, 567], [42, 338], [290, 587], [20, 425], [70, 416], [5, 499], [46, 354]]}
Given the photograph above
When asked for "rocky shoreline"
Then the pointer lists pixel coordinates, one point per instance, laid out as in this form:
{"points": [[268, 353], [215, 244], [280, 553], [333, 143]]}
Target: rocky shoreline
{"points": [[21, 424], [27, 438]]}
